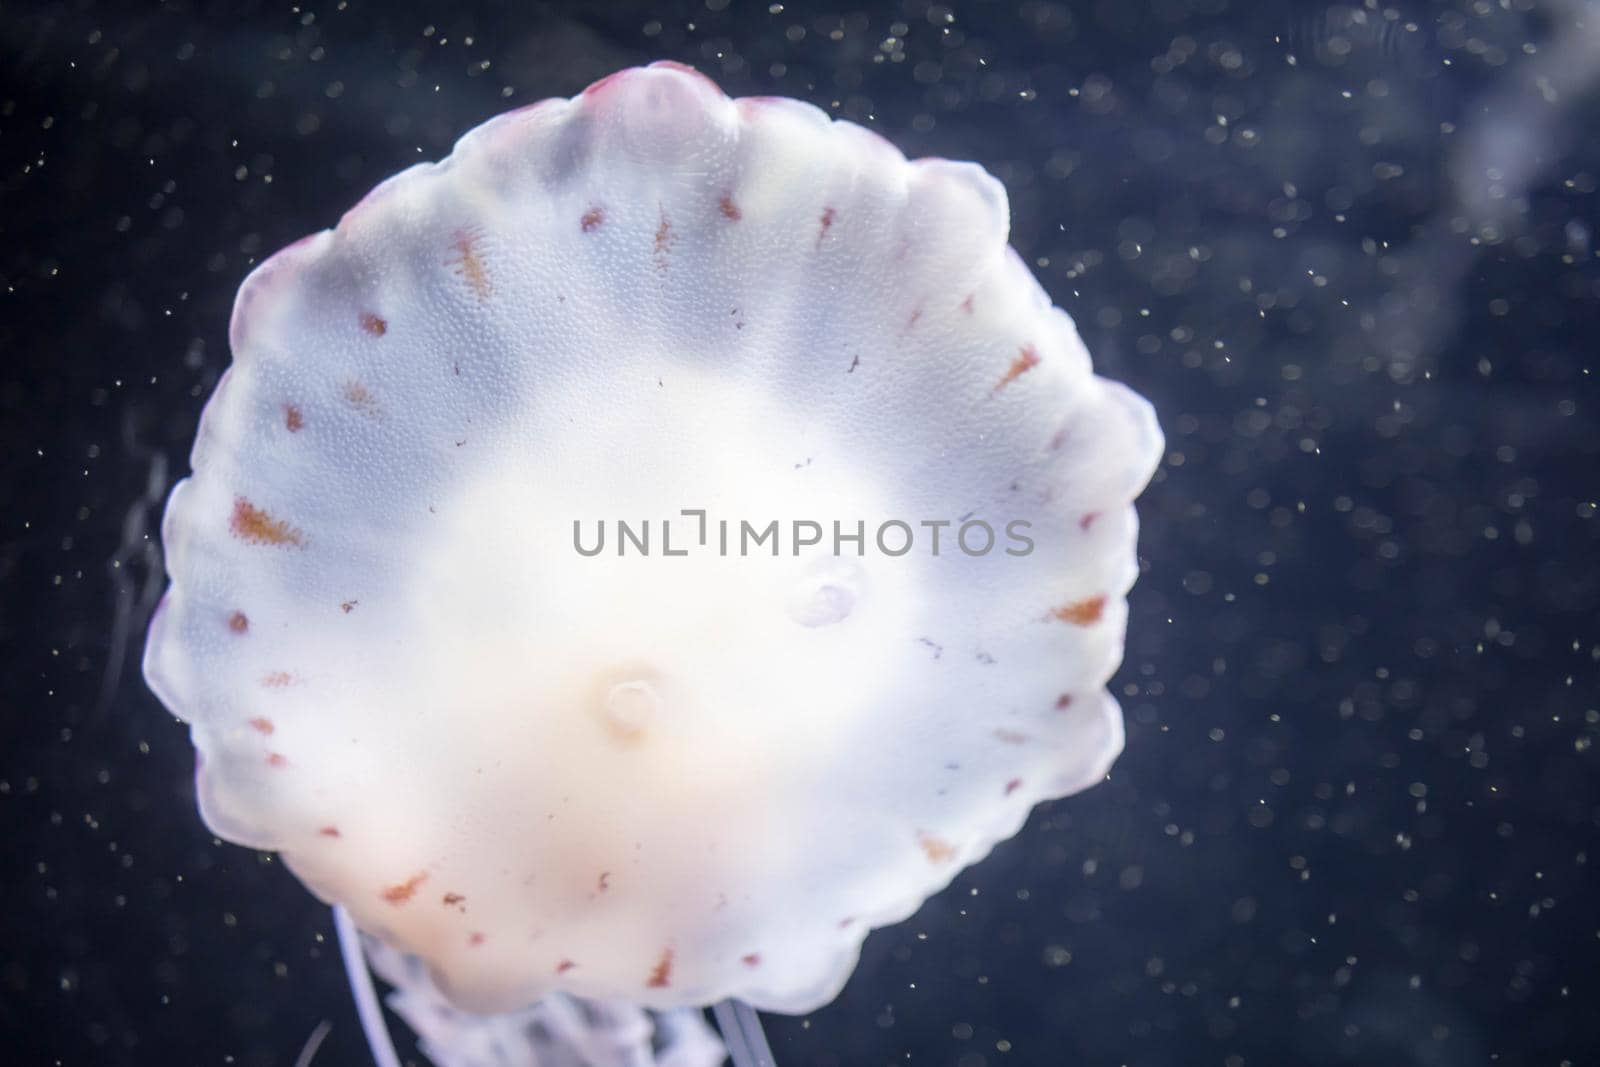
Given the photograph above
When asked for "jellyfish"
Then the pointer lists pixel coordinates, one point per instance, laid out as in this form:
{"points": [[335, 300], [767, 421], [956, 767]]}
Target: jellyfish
{"points": [[571, 795]]}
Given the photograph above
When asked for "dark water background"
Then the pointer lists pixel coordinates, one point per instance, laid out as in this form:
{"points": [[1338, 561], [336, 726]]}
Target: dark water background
{"points": [[1356, 818]]}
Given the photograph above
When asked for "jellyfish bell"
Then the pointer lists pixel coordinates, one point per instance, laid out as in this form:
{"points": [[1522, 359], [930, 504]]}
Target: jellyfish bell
{"points": [[680, 769]]}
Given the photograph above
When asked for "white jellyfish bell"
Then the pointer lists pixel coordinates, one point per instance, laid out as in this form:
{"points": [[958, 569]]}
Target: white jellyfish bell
{"points": [[864, 524]]}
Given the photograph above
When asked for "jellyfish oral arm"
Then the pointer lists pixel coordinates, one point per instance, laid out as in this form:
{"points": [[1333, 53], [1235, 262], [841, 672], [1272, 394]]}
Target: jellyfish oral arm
{"points": [[556, 1029]]}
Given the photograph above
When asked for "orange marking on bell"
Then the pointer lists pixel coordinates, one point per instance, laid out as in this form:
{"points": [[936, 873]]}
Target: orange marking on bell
{"points": [[1027, 359], [825, 224], [404, 891], [360, 397], [661, 973], [1081, 612], [664, 241], [254, 525], [469, 263]]}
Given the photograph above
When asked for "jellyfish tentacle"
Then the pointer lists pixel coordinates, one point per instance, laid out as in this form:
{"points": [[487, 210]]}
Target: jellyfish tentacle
{"points": [[308, 1051], [755, 1036], [742, 1033], [368, 1008], [732, 1034]]}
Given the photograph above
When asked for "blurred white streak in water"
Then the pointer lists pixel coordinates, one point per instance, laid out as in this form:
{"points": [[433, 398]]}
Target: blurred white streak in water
{"points": [[134, 598], [1511, 137], [1578, 236], [1502, 155]]}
